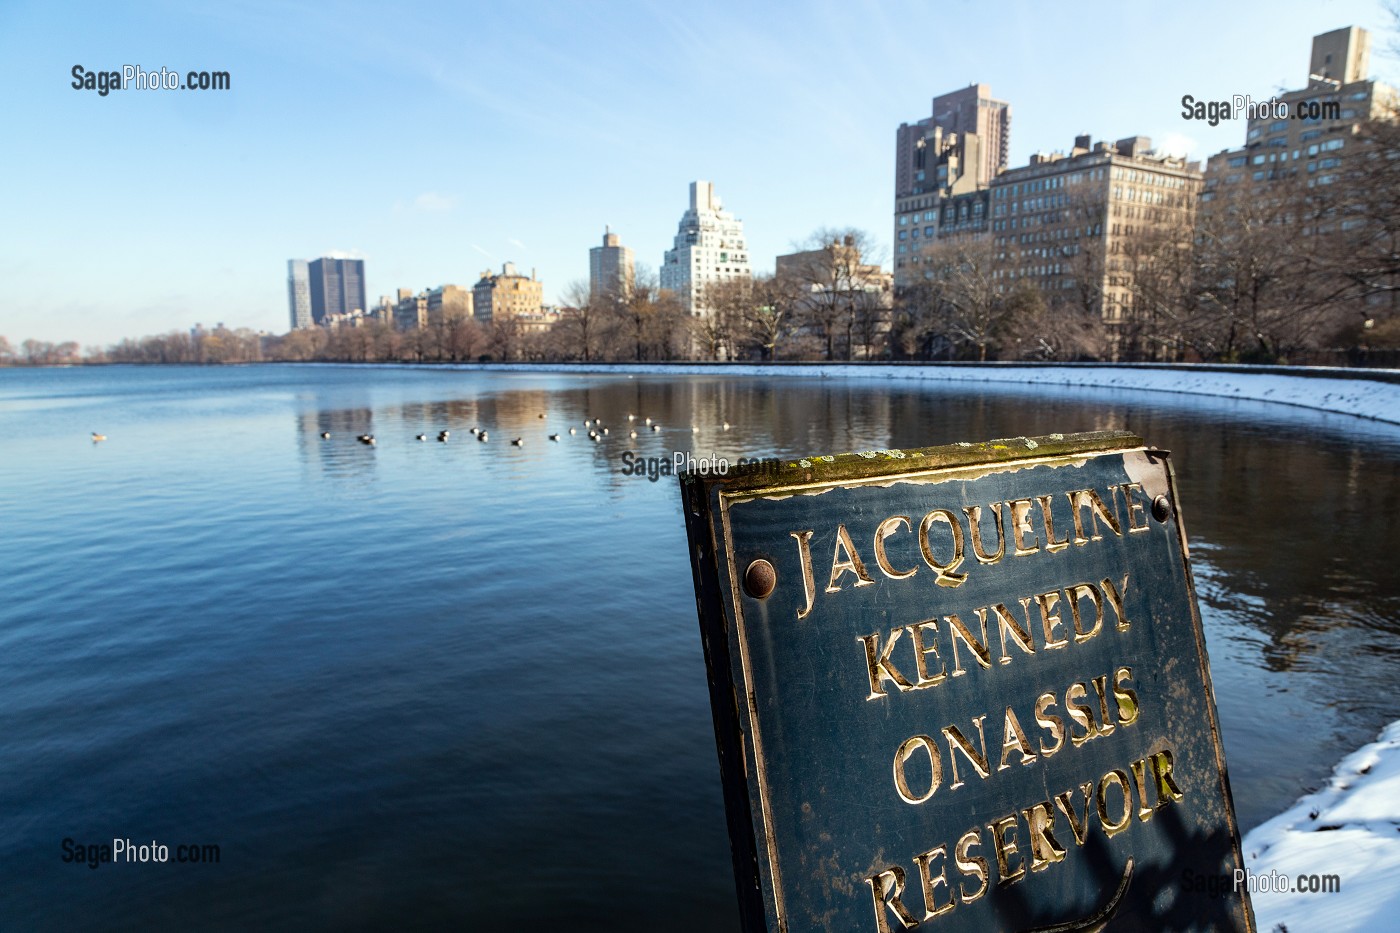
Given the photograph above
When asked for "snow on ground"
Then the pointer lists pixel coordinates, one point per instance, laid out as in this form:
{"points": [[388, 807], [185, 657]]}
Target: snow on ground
{"points": [[1367, 393], [1350, 828]]}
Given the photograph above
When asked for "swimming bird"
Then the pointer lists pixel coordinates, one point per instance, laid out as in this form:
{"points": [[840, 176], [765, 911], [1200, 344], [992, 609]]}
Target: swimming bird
{"points": [[656, 427], [325, 435], [98, 437], [443, 435], [648, 421], [725, 426], [519, 442], [554, 437], [631, 417], [573, 430], [422, 437], [695, 429], [597, 437], [481, 437], [541, 414], [367, 439], [605, 430], [631, 433]]}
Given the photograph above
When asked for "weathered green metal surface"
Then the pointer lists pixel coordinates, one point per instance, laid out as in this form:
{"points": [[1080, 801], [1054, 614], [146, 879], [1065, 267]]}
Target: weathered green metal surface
{"points": [[964, 688]]}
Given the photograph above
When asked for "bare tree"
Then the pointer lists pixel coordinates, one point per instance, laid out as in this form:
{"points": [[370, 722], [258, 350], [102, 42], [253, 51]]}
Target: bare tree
{"points": [[831, 268], [582, 323], [976, 311]]}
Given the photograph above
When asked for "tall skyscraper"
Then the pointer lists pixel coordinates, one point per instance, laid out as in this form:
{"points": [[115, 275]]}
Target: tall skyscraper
{"points": [[709, 247], [337, 287], [610, 270], [299, 293], [952, 155]]}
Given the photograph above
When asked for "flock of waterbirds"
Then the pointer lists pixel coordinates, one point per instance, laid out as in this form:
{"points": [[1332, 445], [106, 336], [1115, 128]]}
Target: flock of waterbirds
{"points": [[594, 426]]}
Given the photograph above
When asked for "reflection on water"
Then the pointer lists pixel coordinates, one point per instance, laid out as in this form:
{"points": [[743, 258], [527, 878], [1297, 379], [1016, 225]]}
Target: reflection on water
{"points": [[460, 684]]}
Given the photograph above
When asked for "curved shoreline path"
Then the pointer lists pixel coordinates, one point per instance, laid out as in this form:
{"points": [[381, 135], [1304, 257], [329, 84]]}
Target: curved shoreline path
{"points": [[1365, 393]]}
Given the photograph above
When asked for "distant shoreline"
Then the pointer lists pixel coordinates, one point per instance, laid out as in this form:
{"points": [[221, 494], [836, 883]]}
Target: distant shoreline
{"points": [[1360, 392], [1363, 393]]}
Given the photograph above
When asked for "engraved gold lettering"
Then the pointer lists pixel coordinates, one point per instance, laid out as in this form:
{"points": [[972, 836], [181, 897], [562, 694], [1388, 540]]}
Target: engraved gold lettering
{"points": [[1049, 619], [1115, 596], [959, 632], [1051, 544], [809, 585], [1106, 726], [931, 882], [1082, 498], [1144, 812], [1078, 823], [944, 573], [917, 632], [1050, 722], [1073, 595], [878, 666], [1014, 739], [1132, 507], [1127, 698], [887, 528], [970, 865], [1007, 624], [957, 742], [1082, 715], [852, 563], [1167, 789], [974, 524], [1115, 827], [905, 751], [886, 887], [1021, 526], [1045, 848], [1005, 848]]}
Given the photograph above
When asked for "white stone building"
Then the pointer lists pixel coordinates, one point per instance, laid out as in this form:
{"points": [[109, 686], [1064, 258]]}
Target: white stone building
{"points": [[709, 248]]}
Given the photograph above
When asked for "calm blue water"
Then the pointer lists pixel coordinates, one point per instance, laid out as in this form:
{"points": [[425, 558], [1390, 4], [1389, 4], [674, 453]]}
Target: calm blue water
{"points": [[460, 685]]}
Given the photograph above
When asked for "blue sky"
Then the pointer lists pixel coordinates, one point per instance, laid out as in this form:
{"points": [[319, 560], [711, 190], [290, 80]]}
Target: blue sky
{"points": [[437, 140]]}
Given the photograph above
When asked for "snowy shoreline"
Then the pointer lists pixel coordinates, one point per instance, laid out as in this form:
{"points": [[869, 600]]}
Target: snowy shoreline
{"points": [[1365, 393], [1349, 829]]}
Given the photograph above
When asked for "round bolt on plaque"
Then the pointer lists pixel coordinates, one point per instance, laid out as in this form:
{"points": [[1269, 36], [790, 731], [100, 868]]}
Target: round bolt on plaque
{"points": [[760, 579], [1161, 508]]}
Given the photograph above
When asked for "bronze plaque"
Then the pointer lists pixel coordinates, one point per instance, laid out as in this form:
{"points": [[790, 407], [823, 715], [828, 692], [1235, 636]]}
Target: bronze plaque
{"points": [[964, 688]]}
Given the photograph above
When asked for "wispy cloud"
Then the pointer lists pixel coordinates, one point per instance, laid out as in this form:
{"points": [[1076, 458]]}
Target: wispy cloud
{"points": [[1177, 144], [516, 243], [345, 254], [485, 253], [433, 202]]}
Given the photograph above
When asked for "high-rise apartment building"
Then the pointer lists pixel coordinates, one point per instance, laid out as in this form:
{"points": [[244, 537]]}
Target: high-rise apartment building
{"points": [[1311, 141], [299, 293], [507, 295], [709, 247], [610, 268], [1074, 225], [337, 287], [947, 160]]}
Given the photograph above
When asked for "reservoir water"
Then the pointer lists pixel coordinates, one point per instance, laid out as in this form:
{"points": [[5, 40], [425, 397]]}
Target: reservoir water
{"points": [[456, 685]]}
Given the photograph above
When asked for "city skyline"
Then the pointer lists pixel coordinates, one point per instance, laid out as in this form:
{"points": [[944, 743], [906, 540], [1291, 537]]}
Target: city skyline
{"points": [[185, 206]]}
